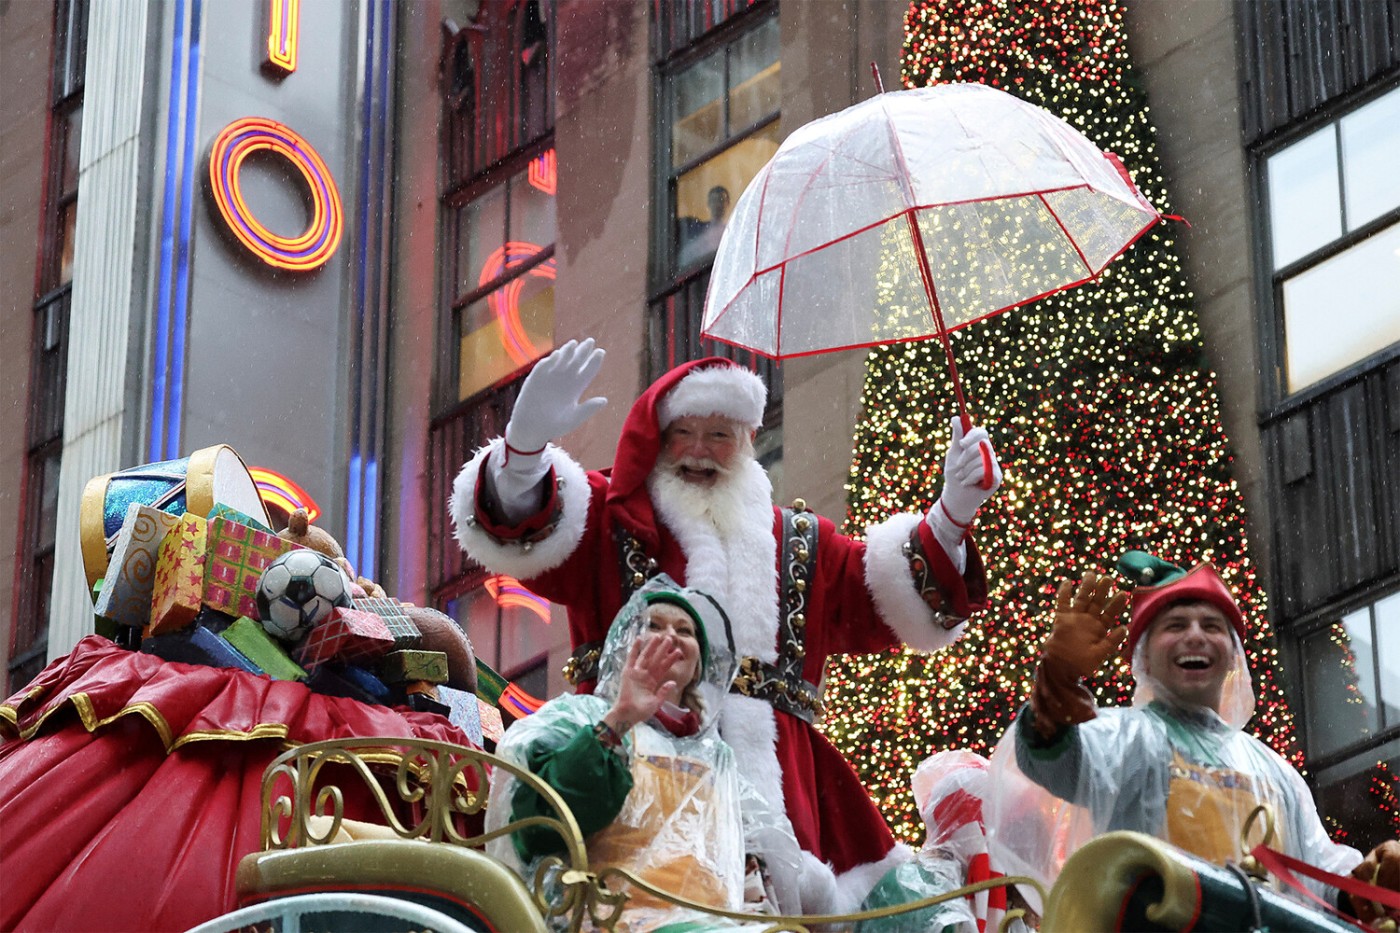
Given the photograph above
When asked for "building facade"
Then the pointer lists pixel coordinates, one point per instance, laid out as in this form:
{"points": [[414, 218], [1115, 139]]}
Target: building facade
{"points": [[336, 234]]}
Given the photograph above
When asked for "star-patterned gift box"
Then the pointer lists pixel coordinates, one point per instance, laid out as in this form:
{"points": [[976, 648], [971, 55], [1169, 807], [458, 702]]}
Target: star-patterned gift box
{"points": [[179, 581]]}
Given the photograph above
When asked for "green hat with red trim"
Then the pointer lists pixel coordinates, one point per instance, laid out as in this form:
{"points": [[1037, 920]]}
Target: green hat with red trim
{"points": [[1160, 584]]}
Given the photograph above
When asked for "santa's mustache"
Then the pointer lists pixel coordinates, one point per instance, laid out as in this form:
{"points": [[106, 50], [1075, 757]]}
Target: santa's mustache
{"points": [[698, 463]]}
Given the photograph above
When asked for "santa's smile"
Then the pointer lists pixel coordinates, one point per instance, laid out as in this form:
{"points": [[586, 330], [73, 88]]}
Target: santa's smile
{"points": [[702, 476]]}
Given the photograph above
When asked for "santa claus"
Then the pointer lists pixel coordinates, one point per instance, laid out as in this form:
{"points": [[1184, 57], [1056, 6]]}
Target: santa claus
{"points": [[687, 497]]}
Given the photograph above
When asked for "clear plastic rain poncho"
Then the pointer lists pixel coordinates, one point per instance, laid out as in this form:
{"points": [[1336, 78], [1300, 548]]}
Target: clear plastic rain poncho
{"points": [[1185, 774], [949, 790], [682, 826]]}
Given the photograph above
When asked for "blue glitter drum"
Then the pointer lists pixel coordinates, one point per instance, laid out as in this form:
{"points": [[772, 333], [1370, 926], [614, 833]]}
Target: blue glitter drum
{"points": [[214, 475]]}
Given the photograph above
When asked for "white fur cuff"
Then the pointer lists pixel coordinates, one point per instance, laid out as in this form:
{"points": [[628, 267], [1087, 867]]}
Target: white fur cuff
{"points": [[513, 557], [888, 578]]}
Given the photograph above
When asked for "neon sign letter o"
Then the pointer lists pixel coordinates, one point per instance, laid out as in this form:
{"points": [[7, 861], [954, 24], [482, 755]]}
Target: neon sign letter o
{"points": [[237, 142]]}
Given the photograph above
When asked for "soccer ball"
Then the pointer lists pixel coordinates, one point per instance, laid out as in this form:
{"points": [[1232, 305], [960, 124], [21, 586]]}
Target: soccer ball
{"points": [[298, 590]]}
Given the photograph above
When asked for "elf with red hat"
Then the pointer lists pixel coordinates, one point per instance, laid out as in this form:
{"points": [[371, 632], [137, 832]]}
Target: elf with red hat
{"points": [[687, 497], [1175, 765]]}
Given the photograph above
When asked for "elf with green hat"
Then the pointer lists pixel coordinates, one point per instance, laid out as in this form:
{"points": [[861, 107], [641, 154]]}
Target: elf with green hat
{"points": [[1176, 765], [640, 762]]}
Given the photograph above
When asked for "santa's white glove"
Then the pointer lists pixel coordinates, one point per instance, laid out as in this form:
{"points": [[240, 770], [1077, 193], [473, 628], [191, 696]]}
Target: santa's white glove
{"points": [[547, 408], [970, 462]]}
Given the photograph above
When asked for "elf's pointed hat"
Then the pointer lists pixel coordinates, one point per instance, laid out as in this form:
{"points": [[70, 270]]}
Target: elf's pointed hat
{"points": [[1160, 584]]}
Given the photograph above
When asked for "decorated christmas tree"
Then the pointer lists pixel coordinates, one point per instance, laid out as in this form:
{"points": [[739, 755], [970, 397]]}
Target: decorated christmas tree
{"points": [[1102, 409]]}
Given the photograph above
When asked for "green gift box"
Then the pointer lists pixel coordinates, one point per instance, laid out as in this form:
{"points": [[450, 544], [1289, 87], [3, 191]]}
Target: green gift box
{"points": [[255, 644], [401, 667]]}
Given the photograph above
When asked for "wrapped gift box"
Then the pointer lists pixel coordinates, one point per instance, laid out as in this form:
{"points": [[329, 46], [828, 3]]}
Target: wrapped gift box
{"points": [[401, 667], [198, 645], [492, 727], [347, 680], [346, 635], [254, 643], [126, 592], [238, 554], [227, 511], [176, 593], [406, 634], [464, 710]]}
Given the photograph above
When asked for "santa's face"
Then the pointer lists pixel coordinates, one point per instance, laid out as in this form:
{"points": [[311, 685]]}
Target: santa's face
{"points": [[701, 449], [1190, 651]]}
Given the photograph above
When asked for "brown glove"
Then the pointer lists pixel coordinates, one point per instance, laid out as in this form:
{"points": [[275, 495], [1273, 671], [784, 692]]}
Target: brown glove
{"points": [[1085, 634], [1382, 869]]}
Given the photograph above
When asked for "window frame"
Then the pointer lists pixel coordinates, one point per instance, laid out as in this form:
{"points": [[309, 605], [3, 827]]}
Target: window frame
{"points": [[1276, 399], [665, 268], [48, 367], [455, 303], [461, 425]]}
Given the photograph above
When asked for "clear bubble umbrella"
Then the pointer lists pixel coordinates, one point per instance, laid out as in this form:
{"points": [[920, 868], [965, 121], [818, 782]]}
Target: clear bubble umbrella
{"points": [[913, 214]]}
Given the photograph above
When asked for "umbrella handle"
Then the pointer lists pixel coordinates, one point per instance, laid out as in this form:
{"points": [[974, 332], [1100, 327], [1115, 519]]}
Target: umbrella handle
{"points": [[988, 474]]}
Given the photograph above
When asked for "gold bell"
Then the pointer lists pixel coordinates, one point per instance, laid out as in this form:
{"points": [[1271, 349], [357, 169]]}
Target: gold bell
{"points": [[638, 578], [799, 505], [802, 524], [801, 553], [798, 620], [800, 585], [1383, 925]]}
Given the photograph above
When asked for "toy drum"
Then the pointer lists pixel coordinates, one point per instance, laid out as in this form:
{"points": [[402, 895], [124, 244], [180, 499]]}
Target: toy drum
{"points": [[214, 475]]}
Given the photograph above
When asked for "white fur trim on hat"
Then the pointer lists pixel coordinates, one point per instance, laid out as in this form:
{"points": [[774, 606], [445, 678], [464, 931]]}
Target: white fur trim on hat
{"points": [[890, 583], [731, 391]]}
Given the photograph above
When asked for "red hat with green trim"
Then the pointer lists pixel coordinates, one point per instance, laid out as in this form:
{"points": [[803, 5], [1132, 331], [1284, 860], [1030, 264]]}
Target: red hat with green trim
{"points": [[1161, 584]]}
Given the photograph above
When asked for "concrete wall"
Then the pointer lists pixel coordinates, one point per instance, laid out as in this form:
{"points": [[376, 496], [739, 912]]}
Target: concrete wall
{"points": [[827, 51], [1187, 54], [25, 50]]}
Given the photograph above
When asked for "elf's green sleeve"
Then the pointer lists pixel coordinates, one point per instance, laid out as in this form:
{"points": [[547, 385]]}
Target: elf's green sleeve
{"points": [[593, 780]]}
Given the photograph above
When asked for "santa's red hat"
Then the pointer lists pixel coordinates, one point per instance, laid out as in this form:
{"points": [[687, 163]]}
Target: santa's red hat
{"points": [[711, 386], [1200, 584]]}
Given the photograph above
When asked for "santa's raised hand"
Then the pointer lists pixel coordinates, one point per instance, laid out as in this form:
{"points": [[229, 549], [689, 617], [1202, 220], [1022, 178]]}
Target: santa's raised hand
{"points": [[549, 405], [971, 474]]}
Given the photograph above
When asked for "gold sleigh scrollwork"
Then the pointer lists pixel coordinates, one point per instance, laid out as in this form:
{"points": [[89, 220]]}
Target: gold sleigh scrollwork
{"points": [[440, 782]]}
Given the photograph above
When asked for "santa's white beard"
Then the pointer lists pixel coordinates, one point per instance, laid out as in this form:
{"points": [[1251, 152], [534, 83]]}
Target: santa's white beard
{"points": [[738, 496], [725, 531]]}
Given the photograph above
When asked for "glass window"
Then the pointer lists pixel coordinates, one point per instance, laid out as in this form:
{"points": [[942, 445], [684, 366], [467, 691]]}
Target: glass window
{"points": [[698, 105], [1361, 803], [1370, 140], [1304, 197], [724, 113], [506, 330], [72, 146], [1387, 616], [498, 84], [1343, 309], [755, 92], [1340, 301], [706, 193], [1339, 670], [508, 626], [504, 319]]}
